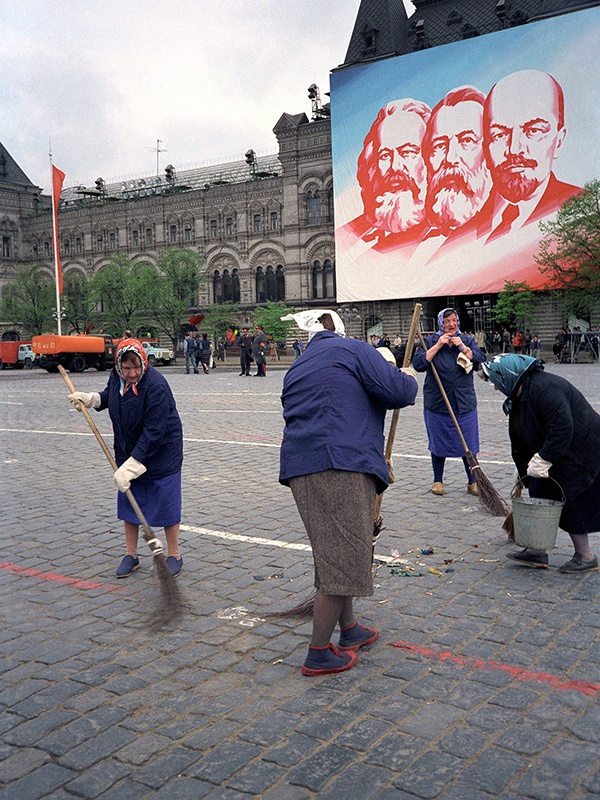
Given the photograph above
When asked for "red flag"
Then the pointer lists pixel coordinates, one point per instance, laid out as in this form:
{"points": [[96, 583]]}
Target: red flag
{"points": [[57, 183]]}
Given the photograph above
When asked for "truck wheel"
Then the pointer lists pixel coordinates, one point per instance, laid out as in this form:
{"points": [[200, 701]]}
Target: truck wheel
{"points": [[152, 360], [1, 364], [28, 363], [78, 363]]}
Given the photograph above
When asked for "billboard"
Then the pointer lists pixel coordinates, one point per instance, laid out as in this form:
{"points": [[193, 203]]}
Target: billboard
{"points": [[446, 160]]}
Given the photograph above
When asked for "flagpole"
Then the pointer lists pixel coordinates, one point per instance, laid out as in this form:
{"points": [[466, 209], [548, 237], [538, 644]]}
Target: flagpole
{"points": [[55, 243]]}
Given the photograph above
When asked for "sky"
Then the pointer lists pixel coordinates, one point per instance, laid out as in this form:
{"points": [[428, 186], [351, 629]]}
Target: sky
{"points": [[100, 82]]}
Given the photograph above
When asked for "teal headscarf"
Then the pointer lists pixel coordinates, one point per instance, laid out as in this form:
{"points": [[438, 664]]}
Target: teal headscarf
{"points": [[506, 370]]}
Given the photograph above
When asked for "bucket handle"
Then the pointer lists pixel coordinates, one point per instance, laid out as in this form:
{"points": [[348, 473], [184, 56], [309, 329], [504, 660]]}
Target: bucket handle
{"points": [[549, 478]]}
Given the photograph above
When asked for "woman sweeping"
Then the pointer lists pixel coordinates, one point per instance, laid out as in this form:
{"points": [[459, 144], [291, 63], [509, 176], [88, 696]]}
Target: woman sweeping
{"points": [[455, 354], [148, 441], [554, 433]]}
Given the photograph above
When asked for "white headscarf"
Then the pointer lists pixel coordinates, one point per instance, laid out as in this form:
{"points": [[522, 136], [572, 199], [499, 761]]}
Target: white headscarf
{"points": [[309, 320]]}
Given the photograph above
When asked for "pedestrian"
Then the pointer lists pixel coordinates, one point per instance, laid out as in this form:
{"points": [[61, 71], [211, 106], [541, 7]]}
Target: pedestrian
{"points": [[148, 442], [259, 344], [298, 347], [518, 342], [189, 350], [205, 350], [245, 345], [535, 347], [272, 348], [334, 400], [554, 433], [454, 355]]}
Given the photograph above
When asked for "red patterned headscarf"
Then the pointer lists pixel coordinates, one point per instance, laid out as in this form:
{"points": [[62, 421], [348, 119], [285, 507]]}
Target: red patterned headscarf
{"points": [[130, 346]]}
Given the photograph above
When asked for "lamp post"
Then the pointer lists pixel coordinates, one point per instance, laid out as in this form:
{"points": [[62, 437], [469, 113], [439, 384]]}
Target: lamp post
{"points": [[349, 314]]}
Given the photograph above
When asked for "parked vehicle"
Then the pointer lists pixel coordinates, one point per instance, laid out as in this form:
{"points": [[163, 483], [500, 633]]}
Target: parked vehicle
{"points": [[156, 353], [75, 353], [16, 354]]}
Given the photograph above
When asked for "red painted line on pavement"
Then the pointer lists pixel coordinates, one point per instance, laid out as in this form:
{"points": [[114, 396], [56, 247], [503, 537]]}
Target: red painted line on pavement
{"points": [[516, 672], [30, 572]]}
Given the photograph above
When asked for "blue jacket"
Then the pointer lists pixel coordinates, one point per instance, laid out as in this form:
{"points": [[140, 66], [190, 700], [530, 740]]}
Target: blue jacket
{"points": [[457, 384], [334, 403], [146, 426]]}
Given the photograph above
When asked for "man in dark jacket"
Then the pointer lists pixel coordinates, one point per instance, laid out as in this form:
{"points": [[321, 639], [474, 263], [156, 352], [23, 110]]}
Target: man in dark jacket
{"points": [[259, 344], [245, 345], [554, 433], [334, 403]]}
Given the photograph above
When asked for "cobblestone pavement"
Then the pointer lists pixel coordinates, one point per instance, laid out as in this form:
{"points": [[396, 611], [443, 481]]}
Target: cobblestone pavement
{"points": [[493, 693]]}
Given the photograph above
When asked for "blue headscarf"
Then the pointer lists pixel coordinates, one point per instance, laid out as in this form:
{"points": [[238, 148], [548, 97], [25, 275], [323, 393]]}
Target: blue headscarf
{"points": [[506, 370], [440, 320]]}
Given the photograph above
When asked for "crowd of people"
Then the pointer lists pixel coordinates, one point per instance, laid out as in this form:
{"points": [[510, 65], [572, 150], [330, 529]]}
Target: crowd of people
{"points": [[335, 397], [253, 347]]}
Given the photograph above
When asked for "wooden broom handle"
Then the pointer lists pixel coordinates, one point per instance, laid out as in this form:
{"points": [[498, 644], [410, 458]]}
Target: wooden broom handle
{"points": [[444, 395], [148, 533], [414, 327]]}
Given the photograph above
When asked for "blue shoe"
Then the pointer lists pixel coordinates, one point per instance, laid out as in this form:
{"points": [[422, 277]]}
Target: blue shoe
{"points": [[327, 660], [128, 565], [356, 636], [175, 565]]}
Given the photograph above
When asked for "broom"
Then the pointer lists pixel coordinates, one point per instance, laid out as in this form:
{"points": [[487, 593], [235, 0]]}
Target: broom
{"points": [[306, 607], [170, 606], [488, 496]]}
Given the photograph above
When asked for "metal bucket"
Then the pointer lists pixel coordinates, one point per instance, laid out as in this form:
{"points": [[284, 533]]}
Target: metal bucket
{"points": [[536, 521]]}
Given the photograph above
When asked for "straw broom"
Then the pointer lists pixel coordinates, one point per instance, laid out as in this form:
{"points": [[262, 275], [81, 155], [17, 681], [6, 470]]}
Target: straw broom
{"points": [[488, 496], [170, 606], [306, 607]]}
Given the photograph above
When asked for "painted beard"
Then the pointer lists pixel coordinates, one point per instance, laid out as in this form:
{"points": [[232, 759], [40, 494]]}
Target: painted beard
{"points": [[455, 195], [398, 203], [515, 186]]}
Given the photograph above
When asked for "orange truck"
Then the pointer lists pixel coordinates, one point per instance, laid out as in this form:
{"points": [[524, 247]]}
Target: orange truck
{"points": [[75, 353], [16, 354]]}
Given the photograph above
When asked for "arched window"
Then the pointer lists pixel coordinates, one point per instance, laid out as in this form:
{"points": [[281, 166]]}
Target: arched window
{"points": [[280, 279], [328, 278], [313, 208], [227, 287], [187, 232], [217, 287], [213, 229], [260, 285], [257, 223], [135, 235], [149, 236], [235, 286], [317, 280], [229, 226], [271, 285], [173, 234], [274, 221]]}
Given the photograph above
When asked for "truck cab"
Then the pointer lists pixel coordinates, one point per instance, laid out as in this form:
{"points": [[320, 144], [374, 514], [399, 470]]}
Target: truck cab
{"points": [[156, 353]]}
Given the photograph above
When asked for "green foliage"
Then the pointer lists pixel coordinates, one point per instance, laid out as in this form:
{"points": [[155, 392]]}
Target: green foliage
{"points": [[515, 306], [569, 251], [173, 292], [219, 317], [269, 317], [30, 299], [78, 303], [124, 288]]}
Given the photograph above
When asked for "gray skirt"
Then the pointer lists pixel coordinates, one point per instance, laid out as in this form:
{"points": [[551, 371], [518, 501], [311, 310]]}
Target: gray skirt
{"points": [[337, 509]]}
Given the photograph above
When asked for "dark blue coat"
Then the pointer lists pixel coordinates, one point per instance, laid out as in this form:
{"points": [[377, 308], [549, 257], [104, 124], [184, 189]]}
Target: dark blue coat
{"points": [[334, 403], [146, 426], [457, 384]]}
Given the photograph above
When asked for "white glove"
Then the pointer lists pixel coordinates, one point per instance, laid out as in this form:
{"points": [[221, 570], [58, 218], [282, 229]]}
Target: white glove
{"points": [[409, 371], [464, 362], [387, 354], [127, 472], [538, 467], [87, 399]]}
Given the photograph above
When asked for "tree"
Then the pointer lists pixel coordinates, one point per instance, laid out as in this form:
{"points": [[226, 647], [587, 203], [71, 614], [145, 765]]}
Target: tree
{"points": [[269, 317], [172, 295], [78, 303], [219, 317], [569, 251], [30, 299], [124, 288], [515, 306]]}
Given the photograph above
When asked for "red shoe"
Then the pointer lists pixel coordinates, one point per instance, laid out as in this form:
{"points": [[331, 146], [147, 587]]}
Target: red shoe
{"points": [[326, 660], [356, 636]]}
